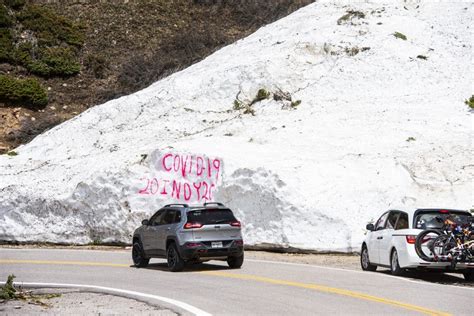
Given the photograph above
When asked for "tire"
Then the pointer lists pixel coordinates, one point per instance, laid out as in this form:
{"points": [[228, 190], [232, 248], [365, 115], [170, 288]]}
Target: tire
{"points": [[175, 262], [138, 255], [364, 260], [440, 246], [235, 262], [423, 251], [469, 276], [395, 265]]}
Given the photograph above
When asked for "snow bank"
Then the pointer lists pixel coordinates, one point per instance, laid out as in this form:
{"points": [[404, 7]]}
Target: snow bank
{"points": [[381, 123]]}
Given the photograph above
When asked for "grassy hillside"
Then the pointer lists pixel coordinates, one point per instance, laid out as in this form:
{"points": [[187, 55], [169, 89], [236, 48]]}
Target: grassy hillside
{"points": [[58, 58]]}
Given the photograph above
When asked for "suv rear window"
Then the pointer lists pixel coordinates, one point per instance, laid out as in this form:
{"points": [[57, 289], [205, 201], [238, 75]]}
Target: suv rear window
{"points": [[434, 219], [211, 216]]}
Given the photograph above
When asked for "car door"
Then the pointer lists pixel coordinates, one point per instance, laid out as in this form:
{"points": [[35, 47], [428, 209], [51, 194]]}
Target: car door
{"points": [[150, 232], [166, 228], [374, 239], [385, 242]]}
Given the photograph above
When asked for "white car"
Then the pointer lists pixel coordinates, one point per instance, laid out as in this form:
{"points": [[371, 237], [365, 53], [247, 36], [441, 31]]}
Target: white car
{"points": [[390, 242]]}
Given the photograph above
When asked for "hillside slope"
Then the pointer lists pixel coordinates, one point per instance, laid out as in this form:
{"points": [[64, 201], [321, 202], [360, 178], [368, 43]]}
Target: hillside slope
{"points": [[307, 129], [120, 47]]}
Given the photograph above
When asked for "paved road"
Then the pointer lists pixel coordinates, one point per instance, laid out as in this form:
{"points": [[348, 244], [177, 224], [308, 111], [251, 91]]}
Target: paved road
{"points": [[259, 288]]}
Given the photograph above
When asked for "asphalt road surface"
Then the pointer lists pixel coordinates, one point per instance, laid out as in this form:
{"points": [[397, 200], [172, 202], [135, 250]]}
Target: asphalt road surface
{"points": [[259, 288]]}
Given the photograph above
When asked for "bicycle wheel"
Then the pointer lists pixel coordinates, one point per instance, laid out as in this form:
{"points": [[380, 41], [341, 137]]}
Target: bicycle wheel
{"points": [[424, 243], [440, 247]]}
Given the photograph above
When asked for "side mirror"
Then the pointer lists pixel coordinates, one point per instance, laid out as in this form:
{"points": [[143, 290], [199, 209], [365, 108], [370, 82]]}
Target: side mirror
{"points": [[370, 227], [145, 222]]}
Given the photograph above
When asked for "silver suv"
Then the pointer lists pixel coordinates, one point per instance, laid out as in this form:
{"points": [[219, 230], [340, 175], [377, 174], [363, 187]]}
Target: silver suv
{"points": [[182, 233]]}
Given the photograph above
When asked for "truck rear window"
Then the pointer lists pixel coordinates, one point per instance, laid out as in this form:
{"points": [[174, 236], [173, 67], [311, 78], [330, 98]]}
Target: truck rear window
{"points": [[211, 216], [434, 219]]}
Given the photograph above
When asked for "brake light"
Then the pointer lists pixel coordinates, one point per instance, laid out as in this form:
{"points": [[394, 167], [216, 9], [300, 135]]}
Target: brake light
{"points": [[236, 224], [190, 225], [411, 239], [239, 242], [444, 211]]}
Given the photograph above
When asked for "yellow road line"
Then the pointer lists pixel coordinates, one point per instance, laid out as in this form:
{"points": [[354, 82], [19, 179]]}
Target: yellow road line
{"points": [[76, 263], [311, 286], [327, 289]]}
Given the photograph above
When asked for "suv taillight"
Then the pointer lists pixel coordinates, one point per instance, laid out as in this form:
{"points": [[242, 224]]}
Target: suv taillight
{"points": [[236, 224], [190, 225]]}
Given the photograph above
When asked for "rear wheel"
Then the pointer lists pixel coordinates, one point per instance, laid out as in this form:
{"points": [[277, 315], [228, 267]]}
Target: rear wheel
{"points": [[175, 262], [364, 260], [395, 265], [235, 262], [469, 276], [138, 256]]}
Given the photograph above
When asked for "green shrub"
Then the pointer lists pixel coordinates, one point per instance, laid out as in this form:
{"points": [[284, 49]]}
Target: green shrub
{"points": [[294, 104], [49, 27], [25, 91], [15, 4], [5, 19], [262, 94], [351, 14], [470, 102], [22, 54], [57, 61], [400, 36], [8, 291], [6, 45]]}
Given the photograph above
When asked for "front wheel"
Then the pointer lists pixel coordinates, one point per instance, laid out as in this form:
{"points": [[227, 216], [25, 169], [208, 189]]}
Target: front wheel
{"points": [[235, 262], [364, 260], [395, 265], [175, 262], [138, 256]]}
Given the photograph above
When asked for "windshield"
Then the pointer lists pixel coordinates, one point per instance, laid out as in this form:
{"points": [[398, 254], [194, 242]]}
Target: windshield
{"points": [[211, 216], [434, 219]]}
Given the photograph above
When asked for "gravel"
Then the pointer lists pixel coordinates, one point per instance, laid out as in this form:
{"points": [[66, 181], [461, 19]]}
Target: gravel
{"points": [[75, 302]]}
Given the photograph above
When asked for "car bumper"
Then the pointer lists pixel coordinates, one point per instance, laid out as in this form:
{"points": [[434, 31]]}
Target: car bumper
{"points": [[408, 258], [208, 253]]}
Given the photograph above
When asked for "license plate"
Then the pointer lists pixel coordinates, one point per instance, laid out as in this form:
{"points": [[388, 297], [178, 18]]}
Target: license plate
{"points": [[216, 244]]}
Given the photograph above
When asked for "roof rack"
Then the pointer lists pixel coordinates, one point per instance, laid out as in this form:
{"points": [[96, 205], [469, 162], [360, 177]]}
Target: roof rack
{"points": [[213, 203], [177, 204]]}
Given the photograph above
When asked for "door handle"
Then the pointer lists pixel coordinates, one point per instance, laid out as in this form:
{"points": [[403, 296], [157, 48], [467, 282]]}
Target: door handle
{"points": [[169, 228], [379, 237]]}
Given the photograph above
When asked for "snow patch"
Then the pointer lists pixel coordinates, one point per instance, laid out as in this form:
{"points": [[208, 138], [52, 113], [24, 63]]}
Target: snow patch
{"points": [[377, 127]]}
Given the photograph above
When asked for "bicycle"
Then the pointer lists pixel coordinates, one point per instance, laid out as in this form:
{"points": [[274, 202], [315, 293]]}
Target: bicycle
{"points": [[452, 243]]}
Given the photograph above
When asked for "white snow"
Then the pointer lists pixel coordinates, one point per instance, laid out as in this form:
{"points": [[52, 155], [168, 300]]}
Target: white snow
{"points": [[309, 177]]}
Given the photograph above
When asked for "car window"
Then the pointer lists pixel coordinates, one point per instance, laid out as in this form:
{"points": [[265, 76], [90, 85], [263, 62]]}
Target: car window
{"points": [[177, 218], [434, 219], [156, 218], [211, 216], [169, 217], [392, 220], [381, 222], [402, 222]]}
